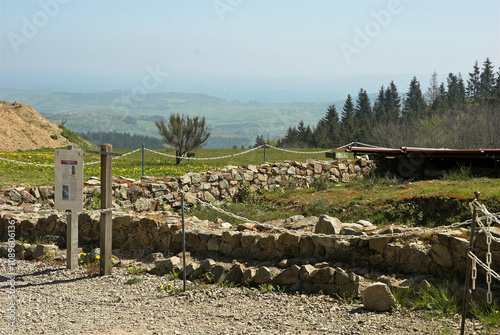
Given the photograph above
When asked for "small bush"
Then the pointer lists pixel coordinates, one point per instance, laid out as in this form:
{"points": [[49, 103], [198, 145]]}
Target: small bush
{"points": [[462, 173], [133, 280]]}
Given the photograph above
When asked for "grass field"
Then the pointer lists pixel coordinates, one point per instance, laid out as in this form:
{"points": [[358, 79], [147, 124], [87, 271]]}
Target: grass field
{"points": [[131, 165]]}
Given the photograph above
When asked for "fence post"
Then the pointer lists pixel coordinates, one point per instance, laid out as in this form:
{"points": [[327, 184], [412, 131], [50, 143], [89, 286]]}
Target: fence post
{"points": [[264, 152], [469, 263], [105, 239], [183, 238], [143, 159]]}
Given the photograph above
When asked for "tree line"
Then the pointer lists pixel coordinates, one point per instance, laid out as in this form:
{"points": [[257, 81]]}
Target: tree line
{"points": [[123, 140], [457, 113]]}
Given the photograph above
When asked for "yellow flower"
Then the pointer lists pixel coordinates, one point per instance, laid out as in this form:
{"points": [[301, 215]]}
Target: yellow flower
{"points": [[83, 254], [112, 259], [97, 257], [131, 268]]}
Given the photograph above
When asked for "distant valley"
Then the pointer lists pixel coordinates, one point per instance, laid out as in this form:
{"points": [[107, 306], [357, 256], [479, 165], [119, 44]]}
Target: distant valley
{"points": [[233, 122]]}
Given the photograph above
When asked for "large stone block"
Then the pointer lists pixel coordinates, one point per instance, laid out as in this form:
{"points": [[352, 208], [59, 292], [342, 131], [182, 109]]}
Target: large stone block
{"points": [[289, 276], [328, 225], [441, 255], [378, 297]]}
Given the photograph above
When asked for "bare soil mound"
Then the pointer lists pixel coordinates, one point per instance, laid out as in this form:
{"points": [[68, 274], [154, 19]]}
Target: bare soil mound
{"points": [[23, 128]]}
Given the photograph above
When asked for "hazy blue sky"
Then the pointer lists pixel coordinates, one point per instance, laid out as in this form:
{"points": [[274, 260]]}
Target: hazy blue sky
{"points": [[224, 45]]}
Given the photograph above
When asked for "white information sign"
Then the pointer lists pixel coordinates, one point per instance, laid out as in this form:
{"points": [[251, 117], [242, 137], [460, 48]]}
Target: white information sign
{"points": [[69, 179]]}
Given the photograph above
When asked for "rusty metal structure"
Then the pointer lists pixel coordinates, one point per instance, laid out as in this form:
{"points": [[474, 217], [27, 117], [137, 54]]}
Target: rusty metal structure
{"points": [[410, 162]]}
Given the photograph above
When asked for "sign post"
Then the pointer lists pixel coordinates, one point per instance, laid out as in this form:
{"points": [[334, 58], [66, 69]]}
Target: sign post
{"points": [[69, 196], [106, 223]]}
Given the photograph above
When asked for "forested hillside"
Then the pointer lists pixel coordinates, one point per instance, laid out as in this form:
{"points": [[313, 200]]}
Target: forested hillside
{"points": [[123, 140], [456, 114]]}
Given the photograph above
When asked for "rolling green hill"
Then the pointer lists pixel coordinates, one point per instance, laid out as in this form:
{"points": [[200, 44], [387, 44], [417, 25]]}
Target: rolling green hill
{"points": [[232, 122]]}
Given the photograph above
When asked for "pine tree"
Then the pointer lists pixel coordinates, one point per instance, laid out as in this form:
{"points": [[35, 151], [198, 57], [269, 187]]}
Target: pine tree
{"points": [[456, 90], [486, 81], [347, 122], [473, 84], [379, 111], [392, 102], [363, 117], [440, 103], [433, 89], [321, 134], [414, 106]]}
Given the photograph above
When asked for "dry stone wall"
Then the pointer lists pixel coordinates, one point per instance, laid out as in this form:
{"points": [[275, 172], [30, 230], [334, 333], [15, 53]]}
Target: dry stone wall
{"points": [[439, 253], [211, 186]]}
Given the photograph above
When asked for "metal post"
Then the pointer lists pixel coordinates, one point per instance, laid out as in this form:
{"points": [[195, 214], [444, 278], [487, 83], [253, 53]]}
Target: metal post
{"points": [[264, 152], [469, 264], [106, 223], [143, 159], [183, 240]]}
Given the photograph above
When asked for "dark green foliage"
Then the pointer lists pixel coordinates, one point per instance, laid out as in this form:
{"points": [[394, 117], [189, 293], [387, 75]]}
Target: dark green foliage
{"points": [[75, 138], [473, 84], [448, 115], [123, 140], [183, 133], [259, 141], [414, 106], [486, 81]]}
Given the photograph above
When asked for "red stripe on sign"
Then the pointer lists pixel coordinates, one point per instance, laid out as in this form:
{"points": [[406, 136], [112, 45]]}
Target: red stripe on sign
{"points": [[69, 162]]}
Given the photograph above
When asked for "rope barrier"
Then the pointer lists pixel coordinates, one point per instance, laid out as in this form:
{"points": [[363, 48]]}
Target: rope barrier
{"points": [[117, 157], [26, 163], [414, 233], [52, 165], [205, 158], [194, 158], [298, 152], [420, 231]]}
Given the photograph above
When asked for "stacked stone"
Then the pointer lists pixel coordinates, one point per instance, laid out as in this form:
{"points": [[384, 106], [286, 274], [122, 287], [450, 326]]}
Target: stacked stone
{"points": [[211, 186], [443, 252]]}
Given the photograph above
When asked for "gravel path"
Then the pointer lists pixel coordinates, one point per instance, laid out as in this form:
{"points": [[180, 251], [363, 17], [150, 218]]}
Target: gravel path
{"points": [[53, 300]]}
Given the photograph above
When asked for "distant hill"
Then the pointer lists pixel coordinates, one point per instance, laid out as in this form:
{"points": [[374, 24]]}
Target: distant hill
{"points": [[232, 122], [23, 128]]}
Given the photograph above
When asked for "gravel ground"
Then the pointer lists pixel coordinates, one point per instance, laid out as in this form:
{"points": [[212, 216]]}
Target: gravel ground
{"points": [[53, 300]]}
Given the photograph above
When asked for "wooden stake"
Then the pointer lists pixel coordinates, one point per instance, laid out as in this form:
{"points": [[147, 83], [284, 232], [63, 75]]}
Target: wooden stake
{"points": [[72, 241], [106, 224]]}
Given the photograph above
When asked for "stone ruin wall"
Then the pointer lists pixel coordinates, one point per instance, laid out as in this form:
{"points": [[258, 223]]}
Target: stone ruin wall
{"points": [[211, 186], [441, 253]]}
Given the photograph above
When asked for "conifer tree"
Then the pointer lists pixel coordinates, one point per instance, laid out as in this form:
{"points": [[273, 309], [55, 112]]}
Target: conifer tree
{"points": [[379, 111], [363, 117], [414, 104], [473, 84], [433, 89], [347, 121], [486, 81], [455, 95], [392, 102]]}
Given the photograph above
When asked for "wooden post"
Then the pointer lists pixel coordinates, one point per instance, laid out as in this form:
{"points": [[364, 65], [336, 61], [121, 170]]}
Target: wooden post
{"points": [[72, 240], [106, 224]]}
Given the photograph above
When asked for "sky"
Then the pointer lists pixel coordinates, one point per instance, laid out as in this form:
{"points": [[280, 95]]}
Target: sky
{"points": [[310, 50]]}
